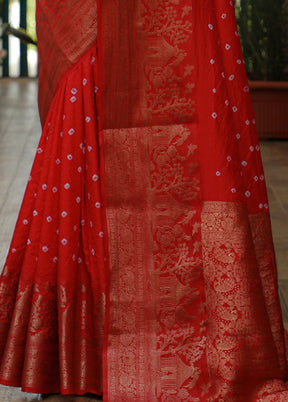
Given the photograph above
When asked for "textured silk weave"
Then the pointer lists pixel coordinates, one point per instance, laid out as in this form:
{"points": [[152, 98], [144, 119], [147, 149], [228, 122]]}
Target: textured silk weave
{"points": [[142, 265], [65, 31]]}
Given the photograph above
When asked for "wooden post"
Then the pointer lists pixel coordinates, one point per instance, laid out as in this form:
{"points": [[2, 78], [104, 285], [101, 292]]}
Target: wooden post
{"points": [[23, 47], [5, 39]]}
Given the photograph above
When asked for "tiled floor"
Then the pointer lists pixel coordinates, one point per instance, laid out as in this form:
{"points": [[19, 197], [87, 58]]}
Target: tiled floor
{"points": [[275, 159], [19, 134]]}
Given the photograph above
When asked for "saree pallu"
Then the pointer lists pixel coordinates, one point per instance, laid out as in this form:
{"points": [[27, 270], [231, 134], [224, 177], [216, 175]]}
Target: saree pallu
{"points": [[142, 265]]}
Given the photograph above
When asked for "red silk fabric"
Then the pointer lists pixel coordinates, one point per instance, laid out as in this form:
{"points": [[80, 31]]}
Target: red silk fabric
{"points": [[142, 264], [52, 297]]}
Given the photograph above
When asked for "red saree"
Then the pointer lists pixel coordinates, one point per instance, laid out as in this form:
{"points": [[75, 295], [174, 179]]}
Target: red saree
{"points": [[142, 265]]}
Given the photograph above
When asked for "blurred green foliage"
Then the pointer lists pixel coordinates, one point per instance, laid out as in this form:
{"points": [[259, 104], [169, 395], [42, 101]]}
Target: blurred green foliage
{"points": [[263, 27]]}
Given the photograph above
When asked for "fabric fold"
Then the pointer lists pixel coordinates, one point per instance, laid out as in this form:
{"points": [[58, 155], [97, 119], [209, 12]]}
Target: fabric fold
{"points": [[57, 323]]}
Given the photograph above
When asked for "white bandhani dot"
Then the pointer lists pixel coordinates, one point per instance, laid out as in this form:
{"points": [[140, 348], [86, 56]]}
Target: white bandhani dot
{"points": [[214, 90], [238, 136], [64, 214], [74, 257], [254, 121], [83, 222], [35, 195], [73, 99], [246, 88], [84, 81], [223, 74], [57, 231], [44, 187], [244, 163], [101, 234], [71, 131], [64, 242], [212, 61], [235, 109], [262, 177], [214, 115], [257, 148], [256, 178], [45, 249], [28, 242], [233, 190], [78, 200], [67, 186], [229, 159], [93, 59], [79, 260], [98, 205], [239, 61], [252, 148], [95, 177], [247, 194], [223, 16], [266, 206], [54, 189], [61, 134], [64, 117], [55, 260], [96, 89], [35, 213], [247, 122], [75, 228], [49, 219], [91, 224], [89, 148], [88, 119], [70, 157], [218, 173], [30, 178], [88, 196], [261, 206], [25, 222], [79, 169], [13, 250], [211, 27], [227, 103], [58, 161], [39, 150], [93, 252], [74, 91], [227, 46]]}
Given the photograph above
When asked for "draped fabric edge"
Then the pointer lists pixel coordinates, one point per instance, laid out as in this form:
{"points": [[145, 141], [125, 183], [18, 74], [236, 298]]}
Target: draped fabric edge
{"points": [[19, 249]]}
